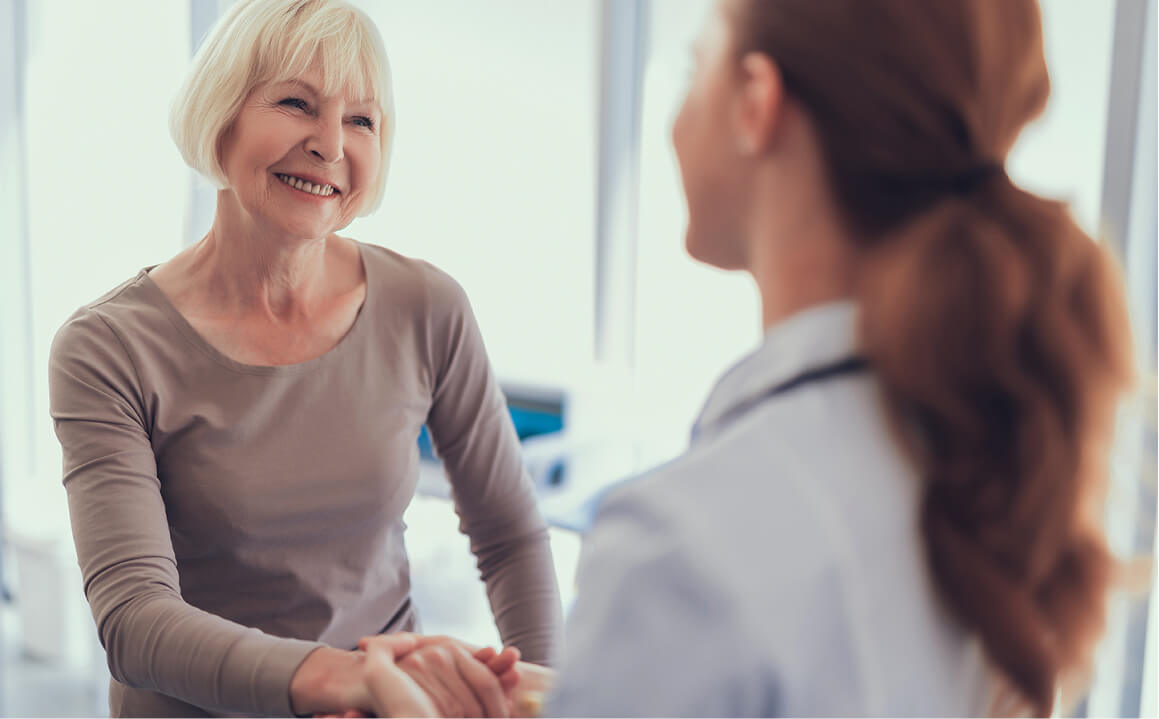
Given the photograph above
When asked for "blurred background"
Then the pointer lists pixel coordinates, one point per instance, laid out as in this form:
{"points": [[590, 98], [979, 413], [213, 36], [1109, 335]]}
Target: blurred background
{"points": [[532, 162]]}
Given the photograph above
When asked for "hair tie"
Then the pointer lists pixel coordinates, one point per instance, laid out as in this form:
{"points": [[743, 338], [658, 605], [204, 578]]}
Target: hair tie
{"points": [[929, 185]]}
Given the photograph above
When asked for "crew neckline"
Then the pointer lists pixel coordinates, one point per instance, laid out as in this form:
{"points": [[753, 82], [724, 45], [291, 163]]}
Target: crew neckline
{"points": [[190, 333]]}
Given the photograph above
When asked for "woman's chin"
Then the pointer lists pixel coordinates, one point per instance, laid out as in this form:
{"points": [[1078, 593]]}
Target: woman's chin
{"points": [[306, 229]]}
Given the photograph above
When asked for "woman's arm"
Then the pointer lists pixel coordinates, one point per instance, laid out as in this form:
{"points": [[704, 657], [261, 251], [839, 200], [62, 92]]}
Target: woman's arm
{"points": [[153, 639], [494, 496]]}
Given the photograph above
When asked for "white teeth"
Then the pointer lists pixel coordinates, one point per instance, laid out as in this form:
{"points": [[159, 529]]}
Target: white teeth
{"points": [[304, 186]]}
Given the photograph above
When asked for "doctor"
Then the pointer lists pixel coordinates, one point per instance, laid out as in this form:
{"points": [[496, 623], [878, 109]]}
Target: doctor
{"points": [[889, 508]]}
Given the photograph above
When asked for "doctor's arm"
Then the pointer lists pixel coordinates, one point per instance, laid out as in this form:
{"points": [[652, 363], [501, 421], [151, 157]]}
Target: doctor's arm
{"points": [[651, 633]]}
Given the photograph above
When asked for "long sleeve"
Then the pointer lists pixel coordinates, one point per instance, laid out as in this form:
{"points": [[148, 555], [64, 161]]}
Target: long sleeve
{"points": [[494, 496], [154, 640]]}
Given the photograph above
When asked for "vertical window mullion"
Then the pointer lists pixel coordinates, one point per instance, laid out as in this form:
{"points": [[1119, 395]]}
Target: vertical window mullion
{"points": [[623, 54], [1129, 226], [17, 413]]}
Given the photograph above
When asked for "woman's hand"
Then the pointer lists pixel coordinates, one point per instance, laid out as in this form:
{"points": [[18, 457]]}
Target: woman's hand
{"points": [[446, 673], [330, 680], [393, 692]]}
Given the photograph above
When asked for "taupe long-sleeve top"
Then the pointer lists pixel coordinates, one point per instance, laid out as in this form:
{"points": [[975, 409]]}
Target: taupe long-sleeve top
{"points": [[230, 518]]}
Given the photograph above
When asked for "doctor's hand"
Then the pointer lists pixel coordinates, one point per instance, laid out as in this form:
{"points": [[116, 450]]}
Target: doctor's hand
{"points": [[532, 684], [525, 684], [411, 675]]}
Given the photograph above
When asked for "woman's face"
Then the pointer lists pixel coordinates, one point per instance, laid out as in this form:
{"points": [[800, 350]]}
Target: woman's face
{"points": [[707, 152], [288, 134]]}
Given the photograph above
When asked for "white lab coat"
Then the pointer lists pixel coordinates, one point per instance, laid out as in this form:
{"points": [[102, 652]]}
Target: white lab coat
{"points": [[776, 568]]}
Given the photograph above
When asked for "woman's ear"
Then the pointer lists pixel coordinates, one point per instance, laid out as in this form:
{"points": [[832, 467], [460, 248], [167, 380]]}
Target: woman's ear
{"points": [[759, 103]]}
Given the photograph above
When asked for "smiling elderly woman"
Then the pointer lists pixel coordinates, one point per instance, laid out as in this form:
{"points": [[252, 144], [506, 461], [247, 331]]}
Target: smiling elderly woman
{"points": [[239, 423]]}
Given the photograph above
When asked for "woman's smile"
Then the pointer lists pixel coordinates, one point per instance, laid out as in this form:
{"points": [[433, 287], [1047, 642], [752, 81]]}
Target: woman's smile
{"points": [[310, 188]]}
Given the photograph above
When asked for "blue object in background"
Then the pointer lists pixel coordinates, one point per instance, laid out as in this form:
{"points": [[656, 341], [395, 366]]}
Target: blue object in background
{"points": [[532, 416], [426, 450]]}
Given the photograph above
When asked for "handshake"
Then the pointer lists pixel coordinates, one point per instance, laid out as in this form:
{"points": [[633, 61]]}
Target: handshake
{"points": [[411, 675]]}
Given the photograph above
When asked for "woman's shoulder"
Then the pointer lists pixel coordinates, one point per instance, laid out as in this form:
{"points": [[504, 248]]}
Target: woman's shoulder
{"points": [[104, 316], [97, 345], [399, 273]]}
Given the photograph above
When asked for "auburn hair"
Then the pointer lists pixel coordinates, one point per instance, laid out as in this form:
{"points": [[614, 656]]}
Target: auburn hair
{"points": [[997, 328]]}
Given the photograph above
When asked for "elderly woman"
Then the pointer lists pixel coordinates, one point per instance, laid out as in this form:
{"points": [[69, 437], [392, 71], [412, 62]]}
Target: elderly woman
{"points": [[239, 423]]}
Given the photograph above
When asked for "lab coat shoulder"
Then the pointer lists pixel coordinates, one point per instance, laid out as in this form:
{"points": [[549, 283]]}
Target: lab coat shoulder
{"points": [[710, 587]]}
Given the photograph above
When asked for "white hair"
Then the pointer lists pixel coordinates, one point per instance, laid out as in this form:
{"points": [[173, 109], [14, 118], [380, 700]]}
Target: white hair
{"points": [[260, 41]]}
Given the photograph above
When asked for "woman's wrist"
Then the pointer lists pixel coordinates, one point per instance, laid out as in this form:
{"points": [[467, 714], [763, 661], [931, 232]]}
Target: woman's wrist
{"points": [[328, 680]]}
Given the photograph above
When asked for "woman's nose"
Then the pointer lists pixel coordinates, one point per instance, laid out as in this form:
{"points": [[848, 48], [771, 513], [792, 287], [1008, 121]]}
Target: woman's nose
{"points": [[325, 143]]}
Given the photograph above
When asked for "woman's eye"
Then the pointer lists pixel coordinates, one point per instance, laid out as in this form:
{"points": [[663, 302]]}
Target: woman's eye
{"points": [[363, 121], [294, 102]]}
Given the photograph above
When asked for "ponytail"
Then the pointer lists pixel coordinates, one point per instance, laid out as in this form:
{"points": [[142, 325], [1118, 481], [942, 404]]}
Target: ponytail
{"points": [[998, 332]]}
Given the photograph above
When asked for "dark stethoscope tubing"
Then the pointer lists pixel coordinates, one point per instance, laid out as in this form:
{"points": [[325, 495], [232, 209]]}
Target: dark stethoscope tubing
{"points": [[849, 365]]}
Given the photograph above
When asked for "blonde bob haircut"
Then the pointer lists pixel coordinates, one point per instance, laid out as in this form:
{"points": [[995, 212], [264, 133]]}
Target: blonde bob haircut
{"points": [[261, 41]]}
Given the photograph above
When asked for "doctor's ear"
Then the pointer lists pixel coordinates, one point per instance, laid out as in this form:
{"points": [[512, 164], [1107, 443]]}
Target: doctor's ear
{"points": [[759, 103]]}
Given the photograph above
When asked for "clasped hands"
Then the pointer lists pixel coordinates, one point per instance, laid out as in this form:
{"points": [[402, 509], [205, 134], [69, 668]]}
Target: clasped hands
{"points": [[414, 675]]}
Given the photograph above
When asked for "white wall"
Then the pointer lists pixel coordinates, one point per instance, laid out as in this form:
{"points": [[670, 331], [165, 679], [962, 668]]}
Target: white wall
{"points": [[1061, 154], [692, 321], [493, 172]]}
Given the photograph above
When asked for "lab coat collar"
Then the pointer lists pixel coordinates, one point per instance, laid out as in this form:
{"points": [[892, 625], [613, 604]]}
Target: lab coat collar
{"points": [[809, 339]]}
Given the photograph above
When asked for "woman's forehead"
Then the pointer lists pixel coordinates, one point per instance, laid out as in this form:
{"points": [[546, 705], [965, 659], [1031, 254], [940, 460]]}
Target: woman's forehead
{"points": [[316, 82], [330, 66]]}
